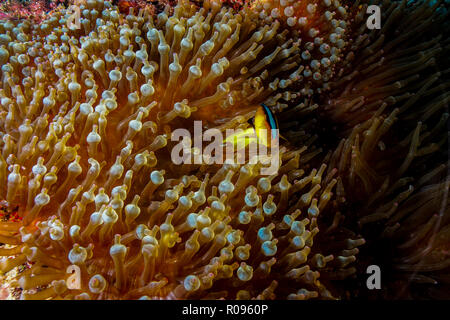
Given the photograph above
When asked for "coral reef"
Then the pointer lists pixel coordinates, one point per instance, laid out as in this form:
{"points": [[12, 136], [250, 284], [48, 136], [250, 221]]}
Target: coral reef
{"points": [[86, 178], [34, 10]]}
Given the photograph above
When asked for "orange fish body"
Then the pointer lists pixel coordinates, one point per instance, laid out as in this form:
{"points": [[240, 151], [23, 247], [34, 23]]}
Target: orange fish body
{"points": [[264, 125]]}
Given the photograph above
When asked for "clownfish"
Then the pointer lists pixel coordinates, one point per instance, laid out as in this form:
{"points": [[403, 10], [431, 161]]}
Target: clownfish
{"points": [[265, 119], [264, 125]]}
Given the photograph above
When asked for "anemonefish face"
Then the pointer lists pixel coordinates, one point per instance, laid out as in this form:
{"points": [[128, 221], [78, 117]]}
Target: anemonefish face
{"points": [[264, 130], [265, 125]]}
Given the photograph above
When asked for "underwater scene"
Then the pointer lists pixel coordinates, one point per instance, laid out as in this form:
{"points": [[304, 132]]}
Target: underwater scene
{"points": [[224, 149]]}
